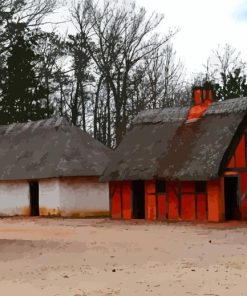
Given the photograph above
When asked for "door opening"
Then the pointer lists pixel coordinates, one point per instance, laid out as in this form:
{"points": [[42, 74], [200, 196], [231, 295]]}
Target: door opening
{"points": [[34, 198], [138, 190], [231, 198]]}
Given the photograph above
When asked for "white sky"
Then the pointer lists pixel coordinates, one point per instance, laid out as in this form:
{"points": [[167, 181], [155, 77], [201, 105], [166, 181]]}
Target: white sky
{"points": [[203, 24]]}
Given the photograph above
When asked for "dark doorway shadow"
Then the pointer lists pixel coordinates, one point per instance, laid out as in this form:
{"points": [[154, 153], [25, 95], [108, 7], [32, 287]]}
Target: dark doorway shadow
{"points": [[34, 198], [138, 190], [231, 198]]}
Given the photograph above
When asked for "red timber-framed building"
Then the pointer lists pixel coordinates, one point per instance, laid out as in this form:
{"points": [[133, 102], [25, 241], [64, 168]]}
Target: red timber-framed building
{"points": [[186, 164]]}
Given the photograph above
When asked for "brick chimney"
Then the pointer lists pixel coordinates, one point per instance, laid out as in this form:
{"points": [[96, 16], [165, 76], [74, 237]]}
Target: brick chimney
{"points": [[202, 98], [202, 95]]}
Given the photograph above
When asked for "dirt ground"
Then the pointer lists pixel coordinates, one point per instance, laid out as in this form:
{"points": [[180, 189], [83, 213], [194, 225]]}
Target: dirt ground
{"points": [[73, 257]]}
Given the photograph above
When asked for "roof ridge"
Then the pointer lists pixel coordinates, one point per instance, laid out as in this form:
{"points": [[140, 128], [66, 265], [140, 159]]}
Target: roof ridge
{"points": [[170, 114], [227, 106], [33, 125], [173, 114], [59, 119]]}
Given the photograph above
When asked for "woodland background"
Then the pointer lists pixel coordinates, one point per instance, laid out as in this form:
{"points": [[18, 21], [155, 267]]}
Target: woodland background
{"points": [[113, 66]]}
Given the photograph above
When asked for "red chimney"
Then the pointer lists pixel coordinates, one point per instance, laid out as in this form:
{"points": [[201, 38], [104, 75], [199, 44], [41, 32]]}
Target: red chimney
{"points": [[197, 94], [203, 97]]}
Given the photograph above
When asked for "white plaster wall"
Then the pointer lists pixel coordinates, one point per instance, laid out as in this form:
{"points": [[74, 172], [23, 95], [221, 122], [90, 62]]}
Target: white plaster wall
{"points": [[14, 198], [65, 196], [82, 195], [49, 196]]}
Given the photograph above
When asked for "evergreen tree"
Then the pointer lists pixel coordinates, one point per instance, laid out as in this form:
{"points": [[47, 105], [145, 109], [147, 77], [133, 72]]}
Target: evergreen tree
{"points": [[23, 95], [233, 85]]}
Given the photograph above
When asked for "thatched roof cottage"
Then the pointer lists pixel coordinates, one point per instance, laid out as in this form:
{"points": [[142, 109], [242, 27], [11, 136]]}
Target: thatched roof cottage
{"points": [[50, 167]]}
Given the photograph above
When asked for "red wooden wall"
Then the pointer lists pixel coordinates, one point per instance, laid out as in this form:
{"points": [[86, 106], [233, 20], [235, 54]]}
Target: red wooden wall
{"points": [[173, 200], [126, 200], [116, 200], [238, 166], [120, 199], [238, 160], [180, 201], [215, 200], [183, 200], [150, 200], [243, 194]]}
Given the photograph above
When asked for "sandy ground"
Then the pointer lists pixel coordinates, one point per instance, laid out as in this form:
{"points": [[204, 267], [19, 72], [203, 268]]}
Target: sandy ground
{"points": [[102, 257]]}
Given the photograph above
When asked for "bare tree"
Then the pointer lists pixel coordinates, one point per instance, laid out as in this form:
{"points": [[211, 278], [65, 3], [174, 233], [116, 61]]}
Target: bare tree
{"points": [[167, 74], [123, 37], [51, 50], [223, 61], [226, 72]]}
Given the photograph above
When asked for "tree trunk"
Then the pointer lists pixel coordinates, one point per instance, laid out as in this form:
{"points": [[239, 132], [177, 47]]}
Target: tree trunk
{"points": [[96, 107], [108, 116]]}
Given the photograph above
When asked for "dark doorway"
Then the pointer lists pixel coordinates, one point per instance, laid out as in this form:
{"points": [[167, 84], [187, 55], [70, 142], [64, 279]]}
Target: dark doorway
{"points": [[34, 198], [231, 198], [138, 189]]}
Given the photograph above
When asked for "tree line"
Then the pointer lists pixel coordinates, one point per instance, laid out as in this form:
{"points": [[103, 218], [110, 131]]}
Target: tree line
{"points": [[114, 65]]}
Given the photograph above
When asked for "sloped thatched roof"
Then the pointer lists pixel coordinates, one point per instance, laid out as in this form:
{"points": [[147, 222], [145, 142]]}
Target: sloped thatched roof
{"points": [[162, 144], [49, 148]]}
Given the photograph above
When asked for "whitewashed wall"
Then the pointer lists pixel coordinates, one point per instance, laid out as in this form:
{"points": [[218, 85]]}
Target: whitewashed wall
{"points": [[49, 197], [14, 198], [83, 196], [75, 196]]}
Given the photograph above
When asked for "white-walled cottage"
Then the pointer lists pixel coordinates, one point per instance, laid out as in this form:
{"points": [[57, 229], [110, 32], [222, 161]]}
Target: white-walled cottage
{"points": [[49, 167]]}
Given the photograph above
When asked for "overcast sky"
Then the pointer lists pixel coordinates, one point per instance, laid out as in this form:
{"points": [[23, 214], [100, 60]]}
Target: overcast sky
{"points": [[203, 25]]}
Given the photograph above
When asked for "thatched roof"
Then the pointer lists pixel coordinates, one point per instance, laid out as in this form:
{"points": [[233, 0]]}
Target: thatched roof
{"points": [[162, 144], [49, 148]]}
